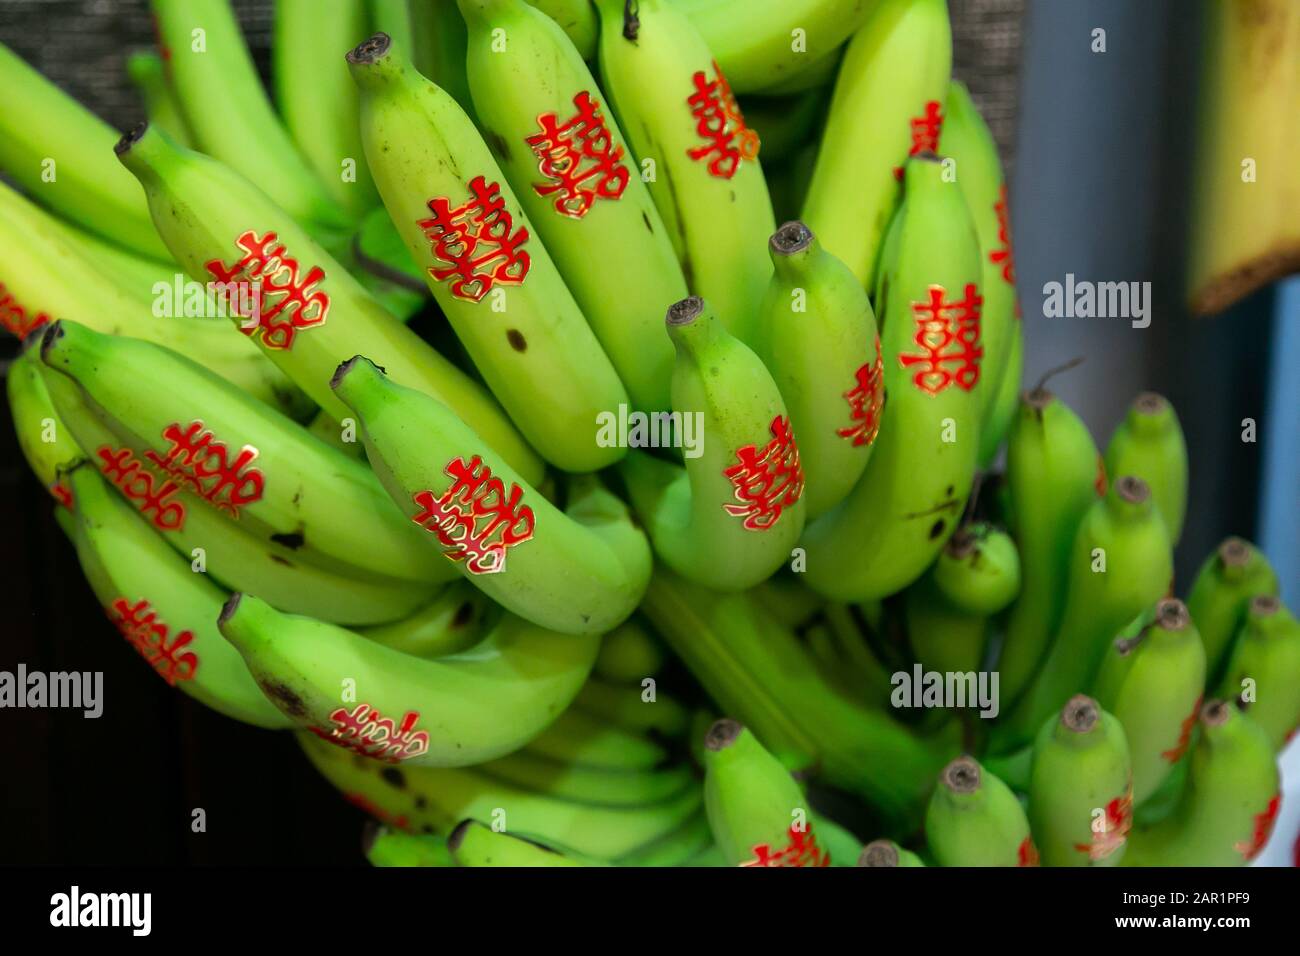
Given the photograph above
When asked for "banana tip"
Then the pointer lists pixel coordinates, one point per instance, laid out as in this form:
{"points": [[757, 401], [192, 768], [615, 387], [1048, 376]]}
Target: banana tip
{"points": [[686, 311], [792, 237], [962, 775], [1132, 489], [1172, 615], [1234, 552], [341, 372], [129, 139], [1215, 713], [879, 853], [228, 609], [370, 50], [1264, 605], [722, 734], [1149, 403], [1080, 714]]}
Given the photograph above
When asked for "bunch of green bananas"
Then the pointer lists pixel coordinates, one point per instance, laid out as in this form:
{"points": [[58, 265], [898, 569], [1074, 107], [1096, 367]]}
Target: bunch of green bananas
{"points": [[501, 581]]}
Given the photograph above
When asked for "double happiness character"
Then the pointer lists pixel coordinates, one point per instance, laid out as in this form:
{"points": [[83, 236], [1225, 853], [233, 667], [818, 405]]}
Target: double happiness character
{"points": [[768, 481], [578, 159], [948, 333], [365, 731], [122, 468], [801, 850], [283, 292], [139, 624], [197, 459], [473, 511], [719, 122], [478, 241], [866, 400]]}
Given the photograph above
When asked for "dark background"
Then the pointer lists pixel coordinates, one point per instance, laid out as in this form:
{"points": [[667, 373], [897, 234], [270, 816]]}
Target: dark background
{"points": [[1095, 149]]}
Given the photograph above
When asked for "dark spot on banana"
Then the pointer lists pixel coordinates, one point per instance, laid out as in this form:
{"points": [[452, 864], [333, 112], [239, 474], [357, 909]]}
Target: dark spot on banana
{"points": [[292, 540], [284, 697], [279, 560], [463, 615], [498, 144], [645, 218], [420, 802], [517, 340], [950, 490], [936, 529], [393, 777]]}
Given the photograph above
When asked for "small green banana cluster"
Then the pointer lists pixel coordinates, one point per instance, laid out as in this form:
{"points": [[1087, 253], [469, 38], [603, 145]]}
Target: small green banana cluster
{"points": [[462, 408]]}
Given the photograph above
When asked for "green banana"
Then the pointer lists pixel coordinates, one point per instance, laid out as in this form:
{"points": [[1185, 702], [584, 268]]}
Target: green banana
{"points": [[585, 740], [817, 336], [967, 141], [1149, 443], [578, 20], [997, 422], [629, 654], [838, 843], [506, 302], [691, 844], [580, 783], [58, 152], [729, 519], [216, 83], [438, 47], [566, 159], [456, 619], [912, 494], [282, 484], [856, 663], [1120, 564], [1227, 812], [758, 814], [764, 42], [1052, 477], [215, 544], [628, 708], [1080, 789], [435, 799], [784, 598], [312, 314], [1263, 673], [459, 710], [393, 17], [887, 853], [814, 77], [316, 96], [473, 844], [385, 846], [896, 72], [1151, 679], [786, 126], [48, 446], [165, 611], [1236, 572], [975, 820], [148, 74], [52, 271], [694, 149], [583, 572]]}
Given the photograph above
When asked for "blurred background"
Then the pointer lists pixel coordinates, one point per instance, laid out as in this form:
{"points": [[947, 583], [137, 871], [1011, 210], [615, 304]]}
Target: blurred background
{"points": [[1095, 146]]}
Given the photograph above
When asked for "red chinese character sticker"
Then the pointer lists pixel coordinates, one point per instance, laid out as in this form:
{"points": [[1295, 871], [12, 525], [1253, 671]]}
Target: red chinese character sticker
{"points": [[1117, 822], [196, 459], [140, 625], [578, 159], [287, 301], [477, 241], [801, 849], [926, 130], [1027, 853], [475, 518], [948, 335], [1002, 255], [17, 319], [365, 731], [866, 400], [766, 481], [718, 121], [1175, 753], [1249, 849], [149, 492]]}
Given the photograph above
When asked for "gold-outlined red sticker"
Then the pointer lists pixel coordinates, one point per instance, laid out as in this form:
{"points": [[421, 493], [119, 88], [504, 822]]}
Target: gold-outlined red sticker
{"points": [[766, 481], [476, 241], [364, 730], [948, 334], [283, 300], [718, 121], [475, 519], [801, 849], [140, 625], [578, 159], [866, 400]]}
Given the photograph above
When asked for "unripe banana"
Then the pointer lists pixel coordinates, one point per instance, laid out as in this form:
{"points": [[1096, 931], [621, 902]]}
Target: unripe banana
{"points": [[473, 844], [579, 738], [165, 611], [46, 444], [814, 77], [730, 518], [887, 853], [1052, 477], [1236, 572], [453, 712], [1149, 443], [282, 484], [316, 96], [691, 844], [997, 423], [581, 783], [629, 654], [311, 313], [912, 494], [628, 708], [1151, 679], [1120, 564], [438, 38], [57, 150], [392, 17], [216, 83], [1227, 813], [695, 151], [786, 126], [1080, 790], [501, 293], [214, 544], [148, 74], [975, 820], [817, 336], [758, 814], [454, 621], [582, 572], [1263, 673], [895, 71], [578, 20], [385, 846], [966, 139], [556, 140], [435, 799], [760, 43], [784, 598]]}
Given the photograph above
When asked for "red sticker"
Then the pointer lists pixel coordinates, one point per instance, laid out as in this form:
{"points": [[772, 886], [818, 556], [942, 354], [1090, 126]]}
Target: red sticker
{"points": [[926, 130], [766, 481], [719, 123], [1027, 853], [1119, 820], [478, 242], [948, 334], [800, 850], [147, 491], [284, 292], [1175, 753], [17, 319], [1249, 849], [365, 731], [475, 518], [578, 159], [866, 399], [197, 460], [62, 494], [1002, 255], [141, 627], [1101, 483]]}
